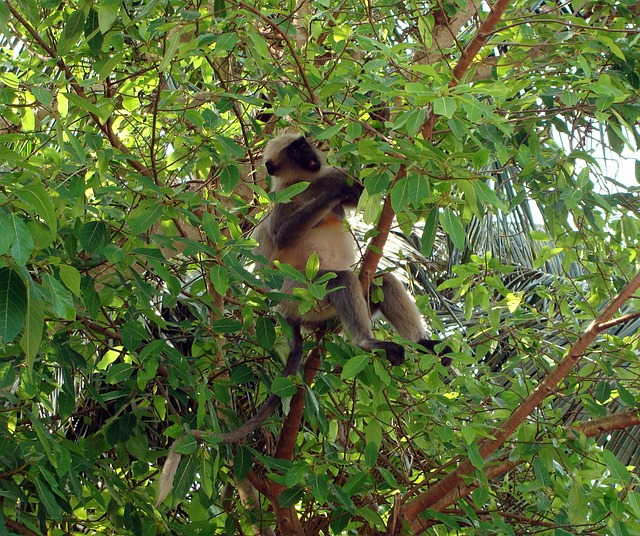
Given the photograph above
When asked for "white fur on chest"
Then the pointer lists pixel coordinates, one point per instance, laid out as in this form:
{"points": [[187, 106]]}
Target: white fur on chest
{"points": [[334, 245]]}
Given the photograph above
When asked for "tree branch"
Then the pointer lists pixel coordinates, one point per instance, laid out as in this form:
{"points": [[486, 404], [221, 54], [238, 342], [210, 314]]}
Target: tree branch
{"points": [[432, 496], [474, 46], [591, 428], [376, 246], [291, 425], [468, 54], [78, 90]]}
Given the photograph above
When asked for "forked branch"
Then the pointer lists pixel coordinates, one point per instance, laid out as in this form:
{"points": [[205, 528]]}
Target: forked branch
{"points": [[447, 485]]}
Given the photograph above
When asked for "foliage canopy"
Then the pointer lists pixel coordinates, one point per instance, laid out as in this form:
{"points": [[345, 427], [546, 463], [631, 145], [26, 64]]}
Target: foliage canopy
{"points": [[132, 321]]}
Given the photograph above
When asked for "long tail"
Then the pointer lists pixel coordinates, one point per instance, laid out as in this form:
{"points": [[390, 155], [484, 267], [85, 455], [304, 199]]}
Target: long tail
{"points": [[172, 462], [269, 407]]}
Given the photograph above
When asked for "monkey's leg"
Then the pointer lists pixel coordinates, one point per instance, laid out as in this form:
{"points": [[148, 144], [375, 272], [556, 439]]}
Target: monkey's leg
{"points": [[351, 307], [399, 309]]}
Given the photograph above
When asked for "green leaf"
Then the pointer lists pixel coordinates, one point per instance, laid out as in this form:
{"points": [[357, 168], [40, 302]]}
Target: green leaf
{"points": [[577, 504], [185, 476], [229, 178], [429, 232], [39, 204], [4, 18], [453, 227], [219, 9], [289, 192], [376, 183], [617, 470], [260, 48], [290, 272], [23, 244], [70, 277], [474, 456], [133, 333], [242, 462], [43, 95], [8, 232], [357, 483], [187, 444], [227, 42], [313, 266], [227, 325], [291, 496], [295, 474], [480, 496], [118, 373], [102, 112], [171, 47], [73, 27], [445, 106], [400, 195], [541, 472], [539, 235], [48, 499], [220, 278], [319, 487], [266, 332], [343, 499], [13, 304], [94, 235], [107, 15], [61, 298], [144, 216], [625, 396], [484, 193], [92, 32], [283, 387], [354, 366], [211, 228], [373, 433], [371, 454], [633, 498], [33, 328]]}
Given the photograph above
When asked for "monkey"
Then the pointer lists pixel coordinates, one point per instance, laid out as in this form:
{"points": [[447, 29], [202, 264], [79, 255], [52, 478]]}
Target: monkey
{"points": [[313, 222]]}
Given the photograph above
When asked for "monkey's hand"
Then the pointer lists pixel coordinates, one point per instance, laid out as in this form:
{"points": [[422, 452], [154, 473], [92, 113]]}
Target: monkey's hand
{"points": [[354, 192], [336, 184]]}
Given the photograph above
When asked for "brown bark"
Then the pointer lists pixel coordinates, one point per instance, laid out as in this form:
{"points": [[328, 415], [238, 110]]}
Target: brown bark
{"points": [[287, 519], [590, 429], [447, 485]]}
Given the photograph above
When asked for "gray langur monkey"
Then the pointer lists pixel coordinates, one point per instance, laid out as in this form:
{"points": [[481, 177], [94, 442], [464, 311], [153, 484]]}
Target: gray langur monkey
{"points": [[313, 222]]}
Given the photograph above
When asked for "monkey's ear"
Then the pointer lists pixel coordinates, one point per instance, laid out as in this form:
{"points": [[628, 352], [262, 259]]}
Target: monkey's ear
{"points": [[271, 167]]}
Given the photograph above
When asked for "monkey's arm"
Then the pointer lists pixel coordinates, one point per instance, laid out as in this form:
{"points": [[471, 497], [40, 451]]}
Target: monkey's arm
{"points": [[290, 221]]}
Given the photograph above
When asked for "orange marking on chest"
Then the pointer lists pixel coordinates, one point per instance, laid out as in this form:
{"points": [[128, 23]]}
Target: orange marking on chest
{"points": [[331, 219]]}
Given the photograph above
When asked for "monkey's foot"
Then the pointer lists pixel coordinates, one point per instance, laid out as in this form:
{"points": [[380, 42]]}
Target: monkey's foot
{"points": [[430, 346], [395, 352]]}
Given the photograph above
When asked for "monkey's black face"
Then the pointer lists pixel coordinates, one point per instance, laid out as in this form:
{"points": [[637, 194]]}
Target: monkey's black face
{"points": [[304, 155]]}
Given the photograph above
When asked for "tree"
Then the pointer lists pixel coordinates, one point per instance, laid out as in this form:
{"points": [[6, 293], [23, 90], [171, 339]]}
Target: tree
{"points": [[134, 325]]}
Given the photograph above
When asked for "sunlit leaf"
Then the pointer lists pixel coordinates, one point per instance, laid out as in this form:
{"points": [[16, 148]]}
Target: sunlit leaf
{"points": [[354, 366], [453, 227]]}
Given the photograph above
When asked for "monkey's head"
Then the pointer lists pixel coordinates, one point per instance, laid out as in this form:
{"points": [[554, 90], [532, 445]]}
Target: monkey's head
{"points": [[289, 158]]}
